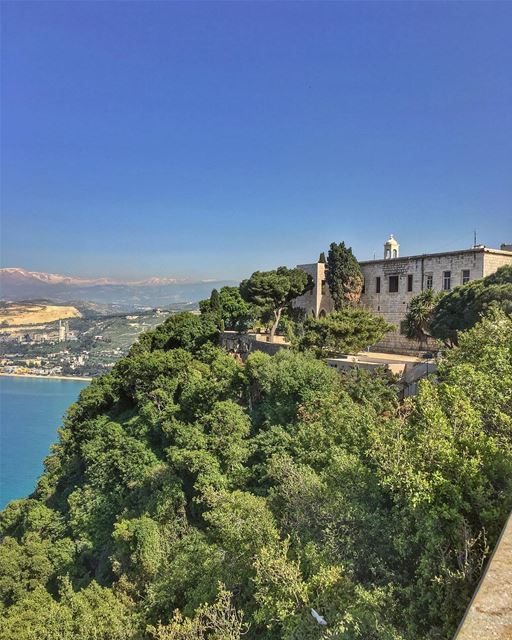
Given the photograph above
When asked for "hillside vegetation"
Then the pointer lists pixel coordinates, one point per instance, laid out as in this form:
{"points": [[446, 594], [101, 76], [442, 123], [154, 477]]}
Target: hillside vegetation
{"points": [[191, 496]]}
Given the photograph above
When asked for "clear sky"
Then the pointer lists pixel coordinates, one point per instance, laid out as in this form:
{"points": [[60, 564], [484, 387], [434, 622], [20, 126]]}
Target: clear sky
{"points": [[212, 139]]}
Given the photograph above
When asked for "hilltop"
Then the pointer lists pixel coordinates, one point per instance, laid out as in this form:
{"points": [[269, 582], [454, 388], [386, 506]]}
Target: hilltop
{"points": [[193, 496]]}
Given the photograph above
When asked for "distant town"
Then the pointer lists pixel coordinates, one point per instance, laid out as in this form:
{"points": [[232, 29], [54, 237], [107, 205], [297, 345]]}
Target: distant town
{"points": [[83, 346]]}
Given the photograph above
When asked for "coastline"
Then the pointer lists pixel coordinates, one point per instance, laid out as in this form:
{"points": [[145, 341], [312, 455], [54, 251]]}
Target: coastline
{"points": [[35, 375]]}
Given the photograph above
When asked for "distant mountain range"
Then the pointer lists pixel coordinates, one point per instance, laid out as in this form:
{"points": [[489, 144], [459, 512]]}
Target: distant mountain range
{"points": [[20, 284]]}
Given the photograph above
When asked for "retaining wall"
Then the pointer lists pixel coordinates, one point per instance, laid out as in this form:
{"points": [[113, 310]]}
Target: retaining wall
{"points": [[245, 343]]}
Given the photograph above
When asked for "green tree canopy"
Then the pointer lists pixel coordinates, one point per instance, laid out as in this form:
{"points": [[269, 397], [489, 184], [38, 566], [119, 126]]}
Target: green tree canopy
{"points": [[272, 291], [217, 621], [182, 330], [236, 314], [343, 276], [461, 308], [347, 331]]}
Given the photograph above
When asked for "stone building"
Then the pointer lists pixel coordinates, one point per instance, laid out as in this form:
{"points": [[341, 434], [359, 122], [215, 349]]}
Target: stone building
{"points": [[391, 282], [318, 301]]}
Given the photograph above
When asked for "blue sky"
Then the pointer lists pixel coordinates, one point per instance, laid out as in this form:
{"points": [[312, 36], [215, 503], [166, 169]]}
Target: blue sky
{"points": [[212, 139]]}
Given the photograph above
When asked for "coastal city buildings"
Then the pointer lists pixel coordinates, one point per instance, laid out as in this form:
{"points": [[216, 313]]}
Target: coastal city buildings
{"points": [[91, 348]]}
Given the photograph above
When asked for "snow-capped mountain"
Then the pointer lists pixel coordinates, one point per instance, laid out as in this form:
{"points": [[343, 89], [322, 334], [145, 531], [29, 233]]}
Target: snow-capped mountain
{"points": [[19, 275], [23, 275], [17, 283]]}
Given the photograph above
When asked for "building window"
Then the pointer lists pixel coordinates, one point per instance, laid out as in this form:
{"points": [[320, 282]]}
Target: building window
{"points": [[447, 280], [393, 284], [429, 281], [377, 285], [465, 276], [409, 282], [363, 290], [323, 287]]}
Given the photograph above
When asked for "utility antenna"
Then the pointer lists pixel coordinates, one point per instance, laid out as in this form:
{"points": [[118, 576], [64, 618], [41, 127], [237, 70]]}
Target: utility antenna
{"points": [[474, 238]]}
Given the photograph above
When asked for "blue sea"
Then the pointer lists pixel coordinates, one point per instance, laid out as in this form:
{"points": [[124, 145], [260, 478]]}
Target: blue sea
{"points": [[31, 411]]}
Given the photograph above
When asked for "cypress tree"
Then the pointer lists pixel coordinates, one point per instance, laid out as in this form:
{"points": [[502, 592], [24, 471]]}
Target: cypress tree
{"points": [[343, 276]]}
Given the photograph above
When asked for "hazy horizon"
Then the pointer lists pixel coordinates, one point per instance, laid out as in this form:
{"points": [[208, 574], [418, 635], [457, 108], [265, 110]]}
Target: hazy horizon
{"points": [[183, 278]]}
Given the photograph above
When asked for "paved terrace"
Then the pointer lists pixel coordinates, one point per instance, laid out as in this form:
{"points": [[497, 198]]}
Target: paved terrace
{"points": [[409, 369]]}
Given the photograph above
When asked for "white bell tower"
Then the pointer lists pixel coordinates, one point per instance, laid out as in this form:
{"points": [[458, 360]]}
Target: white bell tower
{"points": [[391, 248]]}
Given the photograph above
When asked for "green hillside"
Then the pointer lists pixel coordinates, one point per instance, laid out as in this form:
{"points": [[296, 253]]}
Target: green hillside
{"points": [[192, 496]]}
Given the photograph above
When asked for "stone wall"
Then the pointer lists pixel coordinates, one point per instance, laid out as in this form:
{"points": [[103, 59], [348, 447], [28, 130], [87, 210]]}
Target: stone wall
{"points": [[493, 261], [395, 342], [489, 614], [243, 344]]}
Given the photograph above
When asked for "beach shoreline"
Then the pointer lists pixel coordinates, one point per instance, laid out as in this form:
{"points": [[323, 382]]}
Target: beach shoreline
{"points": [[35, 375]]}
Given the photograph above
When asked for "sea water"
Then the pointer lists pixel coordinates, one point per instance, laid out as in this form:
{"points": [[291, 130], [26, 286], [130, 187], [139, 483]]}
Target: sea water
{"points": [[31, 411]]}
